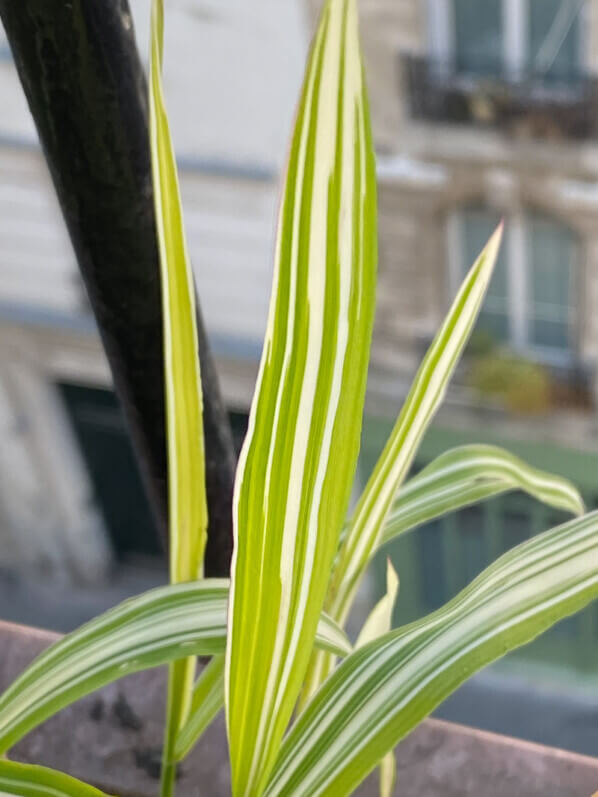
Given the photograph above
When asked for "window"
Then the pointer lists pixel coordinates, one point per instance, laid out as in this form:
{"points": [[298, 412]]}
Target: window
{"points": [[541, 38], [107, 451], [554, 38], [531, 300], [551, 267], [474, 556], [101, 432], [478, 36], [478, 225], [432, 567]]}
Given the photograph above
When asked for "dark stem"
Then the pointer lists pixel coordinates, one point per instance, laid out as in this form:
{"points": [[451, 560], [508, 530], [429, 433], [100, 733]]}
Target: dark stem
{"points": [[81, 72]]}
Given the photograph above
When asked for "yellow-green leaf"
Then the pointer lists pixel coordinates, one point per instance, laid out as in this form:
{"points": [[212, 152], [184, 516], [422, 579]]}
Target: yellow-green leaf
{"points": [[383, 690], [25, 780], [364, 531], [425, 396], [299, 458], [184, 412], [467, 475], [388, 775], [379, 622], [152, 629], [206, 703]]}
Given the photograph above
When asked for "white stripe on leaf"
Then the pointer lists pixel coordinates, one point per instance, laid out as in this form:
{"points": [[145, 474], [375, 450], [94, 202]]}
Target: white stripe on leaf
{"points": [[384, 690], [292, 489]]}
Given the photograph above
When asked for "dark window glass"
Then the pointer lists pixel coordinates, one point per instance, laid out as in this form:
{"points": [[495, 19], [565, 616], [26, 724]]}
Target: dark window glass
{"points": [[551, 257], [471, 525], [478, 226], [478, 36], [102, 434], [516, 527], [554, 38], [432, 565]]}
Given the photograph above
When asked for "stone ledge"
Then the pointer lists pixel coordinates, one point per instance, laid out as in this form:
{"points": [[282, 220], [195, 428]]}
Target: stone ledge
{"points": [[112, 739]]}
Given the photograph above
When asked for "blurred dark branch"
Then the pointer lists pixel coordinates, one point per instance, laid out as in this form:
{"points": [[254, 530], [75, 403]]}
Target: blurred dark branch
{"points": [[81, 72]]}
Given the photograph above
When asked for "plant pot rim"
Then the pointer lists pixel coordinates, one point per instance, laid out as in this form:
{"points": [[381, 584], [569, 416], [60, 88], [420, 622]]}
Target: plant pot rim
{"points": [[93, 741]]}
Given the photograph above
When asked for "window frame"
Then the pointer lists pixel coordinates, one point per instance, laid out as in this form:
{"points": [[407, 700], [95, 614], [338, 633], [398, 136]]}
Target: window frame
{"points": [[519, 286], [516, 40]]}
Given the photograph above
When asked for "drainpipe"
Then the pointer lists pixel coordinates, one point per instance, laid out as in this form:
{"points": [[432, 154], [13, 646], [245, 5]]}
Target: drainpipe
{"points": [[83, 79]]}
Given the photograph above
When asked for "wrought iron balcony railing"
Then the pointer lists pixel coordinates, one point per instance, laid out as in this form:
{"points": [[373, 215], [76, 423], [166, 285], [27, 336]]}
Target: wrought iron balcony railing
{"points": [[549, 107]]}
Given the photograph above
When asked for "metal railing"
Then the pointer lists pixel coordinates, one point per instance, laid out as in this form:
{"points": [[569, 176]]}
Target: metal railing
{"points": [[551, 106]]}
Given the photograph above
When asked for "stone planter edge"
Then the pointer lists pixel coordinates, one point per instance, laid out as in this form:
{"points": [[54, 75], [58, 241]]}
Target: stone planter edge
{"points": [[112, 739]]}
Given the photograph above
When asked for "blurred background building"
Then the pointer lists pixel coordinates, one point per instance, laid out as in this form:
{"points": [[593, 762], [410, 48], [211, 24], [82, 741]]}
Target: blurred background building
{"points": [[71, 503], [481, 110]]}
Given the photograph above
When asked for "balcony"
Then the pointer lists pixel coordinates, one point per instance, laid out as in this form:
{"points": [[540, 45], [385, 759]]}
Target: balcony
{"points": [[525, 106]]}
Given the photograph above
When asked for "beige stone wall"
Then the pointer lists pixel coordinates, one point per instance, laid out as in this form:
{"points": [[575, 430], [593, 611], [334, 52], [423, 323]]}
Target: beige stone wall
{"points": [[409, 291], [410, 226]]}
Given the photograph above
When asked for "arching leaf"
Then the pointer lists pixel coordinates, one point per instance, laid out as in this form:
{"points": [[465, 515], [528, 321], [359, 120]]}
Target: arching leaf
{"points": [[382, 691], [155, 628]]}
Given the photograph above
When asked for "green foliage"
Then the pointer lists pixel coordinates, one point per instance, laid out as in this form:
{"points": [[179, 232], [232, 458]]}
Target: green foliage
{"points": [[22, 780], [481, 344], [365, 528], [158, 627], [383, 690], [378, 623], [296, 552], [187, 510], [467, 475], [524, 387], [206, 703], [293, 484]]}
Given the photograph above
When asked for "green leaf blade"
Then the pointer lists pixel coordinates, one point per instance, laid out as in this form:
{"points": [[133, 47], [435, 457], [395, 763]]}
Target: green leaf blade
{"points": [[157, 627], [188, 514], [425, 396], [208, 692], [206, 703], [379, 620], [385, 689], [187, 505], [291, 490], [24, 780], [362, 535], [378, 623], [467, 475], [153, 629], [388, 775]]}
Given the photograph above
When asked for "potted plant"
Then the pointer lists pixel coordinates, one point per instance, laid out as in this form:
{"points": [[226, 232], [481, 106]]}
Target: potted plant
{"points": [[298, 721]]}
